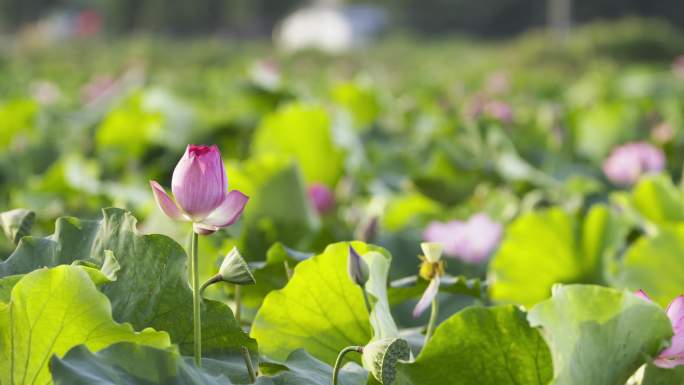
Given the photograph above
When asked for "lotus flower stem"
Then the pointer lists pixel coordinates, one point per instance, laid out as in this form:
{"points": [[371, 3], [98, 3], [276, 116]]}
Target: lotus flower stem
{"points": [[248, 364], [196, 299], [238, 303], [340, 357], [433, 320], [288, 270]]}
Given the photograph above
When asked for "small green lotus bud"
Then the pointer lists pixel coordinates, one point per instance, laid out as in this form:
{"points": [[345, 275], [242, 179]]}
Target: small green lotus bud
{"points": [[235, 270], [380, 358], [357, 268], [432, 251]]}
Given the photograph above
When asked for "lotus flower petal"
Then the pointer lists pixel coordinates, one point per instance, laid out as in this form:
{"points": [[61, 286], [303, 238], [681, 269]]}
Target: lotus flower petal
{"points": [[165, 203], [428, 296], [199, 181], [228, 211]]}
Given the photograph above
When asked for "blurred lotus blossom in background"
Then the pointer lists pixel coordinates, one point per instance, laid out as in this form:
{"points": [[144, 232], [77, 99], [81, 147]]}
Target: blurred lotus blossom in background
{"points": [[322, 199], [627, 163], [265, 74], [472, 241], [663, 133], [45, 92], [673, 355], [678, 67], [499, 110], [98, 86]]}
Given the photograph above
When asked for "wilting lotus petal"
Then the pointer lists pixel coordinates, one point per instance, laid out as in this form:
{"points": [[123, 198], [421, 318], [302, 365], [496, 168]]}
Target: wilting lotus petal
{"points": [[472, 241], [627, 163], [357, 267], [429, 294], [165, 203], [199, 181], [321, 198]]}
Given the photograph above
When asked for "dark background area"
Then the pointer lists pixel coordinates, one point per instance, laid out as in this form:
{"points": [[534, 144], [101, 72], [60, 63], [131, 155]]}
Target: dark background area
{"points": [[256, 18]]}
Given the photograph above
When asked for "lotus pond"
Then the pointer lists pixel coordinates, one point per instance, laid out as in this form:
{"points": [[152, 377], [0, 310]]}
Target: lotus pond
{"points": [[415, 213]]}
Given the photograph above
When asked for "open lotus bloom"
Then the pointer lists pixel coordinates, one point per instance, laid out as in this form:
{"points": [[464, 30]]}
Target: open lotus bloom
{"points": [[200, 188], [432, 269], [674, 354], [627, 163], [472, 241]]}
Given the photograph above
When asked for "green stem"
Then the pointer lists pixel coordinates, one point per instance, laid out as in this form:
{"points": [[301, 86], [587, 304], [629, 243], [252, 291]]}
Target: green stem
{"points": [[238, 304], [433, 320], [288, 271], [365, 299], [209, 282], [248, 364], [340, 357], [196, 300]]}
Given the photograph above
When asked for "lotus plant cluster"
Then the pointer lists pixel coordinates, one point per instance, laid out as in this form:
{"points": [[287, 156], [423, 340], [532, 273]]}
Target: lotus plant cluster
{"points": [[200, 188]]}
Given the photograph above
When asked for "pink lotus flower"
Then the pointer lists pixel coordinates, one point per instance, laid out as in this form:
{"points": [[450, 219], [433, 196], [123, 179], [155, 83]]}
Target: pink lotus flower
{"points": [[499, 110], [674, 354], [627, 163], [321, 198], [472, 241], [200, 186]]}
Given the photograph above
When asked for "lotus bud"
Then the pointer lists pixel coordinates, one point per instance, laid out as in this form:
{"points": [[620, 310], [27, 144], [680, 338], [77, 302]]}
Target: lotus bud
{"points": [[235, 270], [380, 357], [357, 268], [200, 189]]}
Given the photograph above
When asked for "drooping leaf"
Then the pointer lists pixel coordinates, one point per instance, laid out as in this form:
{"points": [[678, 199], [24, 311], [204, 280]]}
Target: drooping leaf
{"points": [[17, 223], [654, 264], [151, 289], [552, 244], [599, 335], [133, 364], [321, 309], [49, 312], [303, 369], [483, 346]]}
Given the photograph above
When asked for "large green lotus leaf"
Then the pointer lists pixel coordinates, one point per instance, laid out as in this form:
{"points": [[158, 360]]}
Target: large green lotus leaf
{"points": [[303, 369], [133, 364], [654, 264], [482, 346], [49, 312], [552, 244], [655, 199], [654, 375], [151, 289], [599, 335], [321, 309], [278, 209], [303, 132]]}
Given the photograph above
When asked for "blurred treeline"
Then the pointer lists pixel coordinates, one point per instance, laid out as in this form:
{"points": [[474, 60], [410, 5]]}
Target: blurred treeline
{"points": [[256, 18]]}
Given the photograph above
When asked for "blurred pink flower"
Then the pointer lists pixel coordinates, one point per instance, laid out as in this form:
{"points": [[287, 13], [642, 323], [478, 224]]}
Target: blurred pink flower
{"points": [[472, 241], [678, 67], [662, 133], [45, 92], [673, 355], [499, 110], [321, 198], [627, 163], [97, 87]]}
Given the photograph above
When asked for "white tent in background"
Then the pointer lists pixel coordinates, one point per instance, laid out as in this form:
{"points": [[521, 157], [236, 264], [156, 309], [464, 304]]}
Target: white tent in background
{"points": [[329, 27]]}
